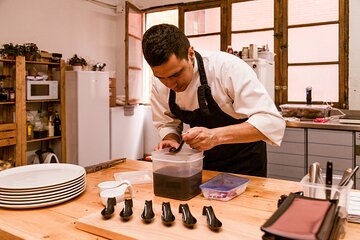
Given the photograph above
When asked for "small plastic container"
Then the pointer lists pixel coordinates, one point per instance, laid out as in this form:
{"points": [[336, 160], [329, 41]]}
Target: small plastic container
{"points": [[177, 176], [320, 191], [310, 111], [134, 177], [224, 187]]}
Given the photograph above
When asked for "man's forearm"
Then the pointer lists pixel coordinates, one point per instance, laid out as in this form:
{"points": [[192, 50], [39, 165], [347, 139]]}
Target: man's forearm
{"points": [[239, 133]]}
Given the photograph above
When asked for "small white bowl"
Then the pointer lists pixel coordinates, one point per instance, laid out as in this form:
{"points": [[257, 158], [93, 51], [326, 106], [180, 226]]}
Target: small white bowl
{"points": [[110, 184], [118, 192]]}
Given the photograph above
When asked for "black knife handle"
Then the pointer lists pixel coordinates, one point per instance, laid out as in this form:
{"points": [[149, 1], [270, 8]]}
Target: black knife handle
{"points": [[329, 173], [328, 180]]}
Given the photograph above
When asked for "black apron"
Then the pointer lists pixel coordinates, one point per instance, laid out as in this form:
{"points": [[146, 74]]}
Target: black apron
{"points": [[242, 158]]}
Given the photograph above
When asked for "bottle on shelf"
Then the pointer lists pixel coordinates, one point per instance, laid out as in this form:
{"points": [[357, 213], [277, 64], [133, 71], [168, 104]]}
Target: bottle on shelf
{"points": [[230, 49], [57, 124], [51, 127], [11, 95], [29, 128], [3, 92]]}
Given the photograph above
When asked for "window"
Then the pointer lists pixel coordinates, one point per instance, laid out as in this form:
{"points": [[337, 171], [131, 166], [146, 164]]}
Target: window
{"points": [[153, 18], [313, 50], [309, 38], [134, 87], [252, 23], [202, 27]]}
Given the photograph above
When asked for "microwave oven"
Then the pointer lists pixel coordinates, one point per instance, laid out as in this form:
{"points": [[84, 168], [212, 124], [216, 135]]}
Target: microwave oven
{"points": [[42, 90]]}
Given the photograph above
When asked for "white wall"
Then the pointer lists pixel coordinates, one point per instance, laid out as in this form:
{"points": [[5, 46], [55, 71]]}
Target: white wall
{"points": [[78, 26], [67, 27]]}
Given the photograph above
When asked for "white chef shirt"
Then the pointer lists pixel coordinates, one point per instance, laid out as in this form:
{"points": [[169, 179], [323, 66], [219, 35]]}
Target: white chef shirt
{"points": [[234, 87]]}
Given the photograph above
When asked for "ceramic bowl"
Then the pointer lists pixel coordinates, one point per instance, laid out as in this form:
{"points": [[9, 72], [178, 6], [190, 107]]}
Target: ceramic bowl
{"points": [[118, 192], [111, 184]]}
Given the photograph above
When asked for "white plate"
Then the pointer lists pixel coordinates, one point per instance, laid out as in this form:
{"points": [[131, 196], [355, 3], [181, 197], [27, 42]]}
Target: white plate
{"points": [[42, 190], [36, 201], [46, 195], [44, 204], [39, 176]]}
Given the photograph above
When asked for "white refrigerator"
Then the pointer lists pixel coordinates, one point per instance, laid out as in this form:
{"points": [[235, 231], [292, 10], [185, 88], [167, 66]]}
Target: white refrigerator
{"points": [[265, 71], [87, 117]]}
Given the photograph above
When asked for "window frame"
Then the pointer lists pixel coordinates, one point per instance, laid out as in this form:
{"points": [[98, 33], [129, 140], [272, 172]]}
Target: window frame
{"points": [[129, 6], [281, 58]]}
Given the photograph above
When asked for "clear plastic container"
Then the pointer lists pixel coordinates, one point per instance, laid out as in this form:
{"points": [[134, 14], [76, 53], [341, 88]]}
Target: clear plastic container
{"points": [[310, 111], [321, 191], [134, 177], [224, 187], [177, 176]]}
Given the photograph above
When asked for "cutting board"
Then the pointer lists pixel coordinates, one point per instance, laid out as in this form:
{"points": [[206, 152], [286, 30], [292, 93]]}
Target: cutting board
{"points": [[135, 228]]}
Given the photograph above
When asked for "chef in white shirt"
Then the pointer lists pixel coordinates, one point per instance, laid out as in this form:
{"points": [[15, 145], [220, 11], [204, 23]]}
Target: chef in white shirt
{"points": [[231, 116]]}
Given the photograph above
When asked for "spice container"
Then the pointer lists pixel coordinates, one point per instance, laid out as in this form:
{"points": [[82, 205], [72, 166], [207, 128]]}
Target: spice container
{"points": [[177, 176], [253, 52]]}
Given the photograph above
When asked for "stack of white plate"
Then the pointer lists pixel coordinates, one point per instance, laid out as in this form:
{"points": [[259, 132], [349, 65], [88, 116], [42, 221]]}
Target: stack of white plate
{"points": [[40, 185]]}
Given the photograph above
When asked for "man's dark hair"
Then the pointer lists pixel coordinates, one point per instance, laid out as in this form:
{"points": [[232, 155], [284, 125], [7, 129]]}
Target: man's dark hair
{"points": [[161, 41]]}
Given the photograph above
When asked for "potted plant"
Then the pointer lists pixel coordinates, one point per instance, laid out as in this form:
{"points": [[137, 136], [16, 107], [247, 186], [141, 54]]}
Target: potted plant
{"points": [[30, 51], [10, 51], [77, 62]]}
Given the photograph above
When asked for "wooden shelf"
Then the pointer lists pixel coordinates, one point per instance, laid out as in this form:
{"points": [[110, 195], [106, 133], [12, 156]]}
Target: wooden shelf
{"points": [[43, 139], [6, 103], [43, 63], [13, 136], [32, 62], [42, 101], [7, 60]]}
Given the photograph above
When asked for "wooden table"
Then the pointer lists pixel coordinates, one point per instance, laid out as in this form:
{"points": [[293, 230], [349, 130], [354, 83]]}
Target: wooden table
{"points": [[247, 211]]}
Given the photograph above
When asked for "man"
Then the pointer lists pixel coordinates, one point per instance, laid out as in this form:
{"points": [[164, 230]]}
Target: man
{"points": [[230, 113]]}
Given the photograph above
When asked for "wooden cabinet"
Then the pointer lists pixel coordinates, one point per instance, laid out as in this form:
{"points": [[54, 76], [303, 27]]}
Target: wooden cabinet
{"points": [[10, 123], [14, 144]]}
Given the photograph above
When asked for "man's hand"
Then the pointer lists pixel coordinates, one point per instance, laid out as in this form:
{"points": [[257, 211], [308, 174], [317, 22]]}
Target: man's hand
{"points": [[166, 144], [170, 140], [200, 138]]}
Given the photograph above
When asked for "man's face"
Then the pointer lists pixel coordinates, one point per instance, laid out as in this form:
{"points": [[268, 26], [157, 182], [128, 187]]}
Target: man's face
{"points": [[176, 74]]}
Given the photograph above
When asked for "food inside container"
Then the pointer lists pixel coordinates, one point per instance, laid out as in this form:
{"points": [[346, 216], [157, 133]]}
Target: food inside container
{"points": [[177, 176], [224, 187], [310, 111]]}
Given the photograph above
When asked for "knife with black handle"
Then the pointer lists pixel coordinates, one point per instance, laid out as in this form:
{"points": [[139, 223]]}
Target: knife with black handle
{"points": [[328, 180]]}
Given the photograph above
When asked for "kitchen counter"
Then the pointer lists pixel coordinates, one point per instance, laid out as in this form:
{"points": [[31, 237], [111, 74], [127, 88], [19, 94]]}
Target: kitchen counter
{"points": [[330, 125], [245, 213]]}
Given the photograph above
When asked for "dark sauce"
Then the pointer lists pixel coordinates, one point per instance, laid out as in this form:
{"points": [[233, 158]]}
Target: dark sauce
{"points": [[180, 188]]}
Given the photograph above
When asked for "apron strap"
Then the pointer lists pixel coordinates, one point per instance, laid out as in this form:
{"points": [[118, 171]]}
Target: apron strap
{"points": [[204, 88]]}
